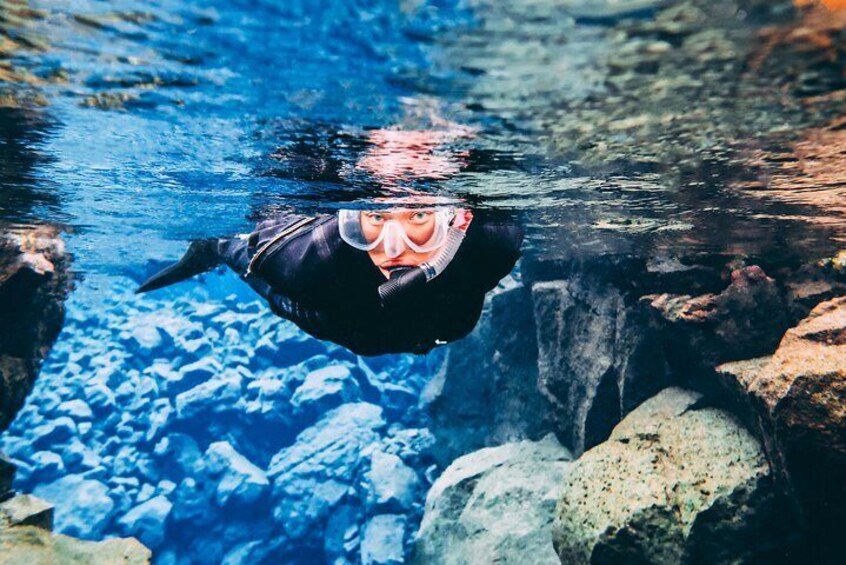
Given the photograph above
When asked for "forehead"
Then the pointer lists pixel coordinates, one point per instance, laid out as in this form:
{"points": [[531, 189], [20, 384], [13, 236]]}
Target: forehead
{"points": [[399, 212]]}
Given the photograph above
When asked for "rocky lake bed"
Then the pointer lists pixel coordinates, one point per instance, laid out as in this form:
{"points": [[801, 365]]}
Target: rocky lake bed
{"points": [[205, 427]]}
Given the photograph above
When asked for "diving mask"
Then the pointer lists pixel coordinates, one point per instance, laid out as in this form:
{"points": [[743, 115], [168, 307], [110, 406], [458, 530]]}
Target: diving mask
{"points": [[419, 229]]}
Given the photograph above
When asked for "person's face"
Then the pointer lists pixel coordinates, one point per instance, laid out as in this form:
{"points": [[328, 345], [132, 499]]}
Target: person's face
{"points": [[392, 252]]}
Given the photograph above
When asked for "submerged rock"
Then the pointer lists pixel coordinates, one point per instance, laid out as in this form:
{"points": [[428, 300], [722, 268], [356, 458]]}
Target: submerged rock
{"points": [[27, 510], [54, 432], [382, 543], [485, 392], [189, 376], [211, 398], [494, 505], [76, 409], [145, 339], [325, 389], [92, 506], [674, 483], [798, 397], [241, 482], [250, 552], [745, 320], [178, 450], [32, 545], [147, 521], [312, 477], [193, 503], [392, 484], [596, 360], [47, 466]]}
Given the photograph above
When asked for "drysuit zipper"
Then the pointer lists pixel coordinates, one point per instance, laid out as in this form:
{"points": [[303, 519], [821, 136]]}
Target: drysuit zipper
{"points": [[283, 234]]}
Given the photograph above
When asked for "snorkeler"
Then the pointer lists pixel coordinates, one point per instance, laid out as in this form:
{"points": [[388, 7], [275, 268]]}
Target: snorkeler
{"points": [[374, 281]]}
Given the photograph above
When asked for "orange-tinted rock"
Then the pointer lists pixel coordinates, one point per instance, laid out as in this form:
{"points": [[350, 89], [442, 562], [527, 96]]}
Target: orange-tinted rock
{"points": [[797, 399], [745, 320], [804, 384]]}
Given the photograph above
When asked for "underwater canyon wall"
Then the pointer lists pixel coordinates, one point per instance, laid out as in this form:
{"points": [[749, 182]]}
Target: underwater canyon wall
{"points": [[614, 332], [34, 282]]}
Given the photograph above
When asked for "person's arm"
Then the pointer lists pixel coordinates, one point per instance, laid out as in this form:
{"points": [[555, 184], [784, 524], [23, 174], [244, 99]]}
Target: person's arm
{"points": [[494, 251]]}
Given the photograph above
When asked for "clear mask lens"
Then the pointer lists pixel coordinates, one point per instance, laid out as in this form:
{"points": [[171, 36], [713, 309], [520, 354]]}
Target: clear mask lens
{"points": [[421, 230]]}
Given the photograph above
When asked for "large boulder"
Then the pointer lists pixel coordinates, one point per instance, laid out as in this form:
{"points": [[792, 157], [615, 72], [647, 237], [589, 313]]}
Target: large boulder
{"points": [[746, 319], [596, 359], [494, 505], [798, 398], [486, 391], [675, 483]]}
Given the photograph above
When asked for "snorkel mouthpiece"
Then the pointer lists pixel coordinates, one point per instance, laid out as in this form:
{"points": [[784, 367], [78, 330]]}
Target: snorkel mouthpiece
{"points": [[400, 284], [416, 277]]}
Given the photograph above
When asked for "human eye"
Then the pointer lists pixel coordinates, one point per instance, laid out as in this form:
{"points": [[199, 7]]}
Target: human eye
{"points": [[374, 218], [421, 216]]}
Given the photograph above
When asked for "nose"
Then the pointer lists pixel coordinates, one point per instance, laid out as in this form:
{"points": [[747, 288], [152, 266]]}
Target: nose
{"points": [[393, 241]]}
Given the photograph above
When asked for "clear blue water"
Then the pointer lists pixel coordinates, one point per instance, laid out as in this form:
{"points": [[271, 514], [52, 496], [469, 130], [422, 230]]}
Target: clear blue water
{"points": [[167, 121], [209, 96], [214, 89]]}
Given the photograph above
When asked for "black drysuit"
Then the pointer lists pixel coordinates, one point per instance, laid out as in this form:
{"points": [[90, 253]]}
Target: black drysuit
{"points": [[310, 276]]}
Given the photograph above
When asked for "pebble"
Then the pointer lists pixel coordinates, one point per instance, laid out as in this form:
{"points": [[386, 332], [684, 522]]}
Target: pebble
{"points": [[147, 521]]}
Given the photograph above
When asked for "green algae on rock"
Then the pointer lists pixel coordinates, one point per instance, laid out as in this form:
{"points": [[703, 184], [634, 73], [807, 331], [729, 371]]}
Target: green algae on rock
{"points": [[673, 484]]}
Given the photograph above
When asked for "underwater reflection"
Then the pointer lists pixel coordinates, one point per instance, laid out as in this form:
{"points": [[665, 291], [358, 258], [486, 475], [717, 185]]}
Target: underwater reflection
{"points": [[397, 155], [384, 280]]}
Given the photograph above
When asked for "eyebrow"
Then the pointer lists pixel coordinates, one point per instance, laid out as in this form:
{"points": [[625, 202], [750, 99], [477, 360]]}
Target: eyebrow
{"points": [[397, 213]]}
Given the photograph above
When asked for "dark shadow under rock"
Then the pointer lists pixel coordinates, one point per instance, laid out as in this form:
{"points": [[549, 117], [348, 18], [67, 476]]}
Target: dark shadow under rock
{"points": [[486, 392]]}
